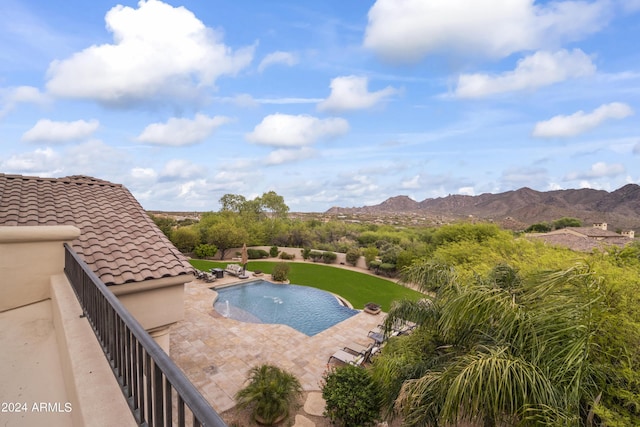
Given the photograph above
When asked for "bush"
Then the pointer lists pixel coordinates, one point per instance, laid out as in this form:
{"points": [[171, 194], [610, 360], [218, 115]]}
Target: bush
{"points": [[205, 250], [315, 255], [374, 265], [280, 272], [271, 393], [370, 254], [387, 269], [352, 397], [257, 253], [284, 255], [273, 252], [305, 253], [329, 257], [352, 256]]}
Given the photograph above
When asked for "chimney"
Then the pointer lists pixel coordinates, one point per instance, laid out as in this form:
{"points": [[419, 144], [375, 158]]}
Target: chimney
{"points": [[600, 225], [630, 234]]}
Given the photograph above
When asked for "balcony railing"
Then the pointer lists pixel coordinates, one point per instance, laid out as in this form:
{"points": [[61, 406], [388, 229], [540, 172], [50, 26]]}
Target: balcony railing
{"points": [[157, 392]]}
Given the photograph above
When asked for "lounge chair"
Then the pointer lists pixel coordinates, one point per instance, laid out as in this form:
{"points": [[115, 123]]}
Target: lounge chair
{"points": [[357, 348], [346, 357]]}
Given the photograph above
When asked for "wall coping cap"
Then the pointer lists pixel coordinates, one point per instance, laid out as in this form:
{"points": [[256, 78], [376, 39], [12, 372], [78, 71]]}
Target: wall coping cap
{"points": [[38, 233]]}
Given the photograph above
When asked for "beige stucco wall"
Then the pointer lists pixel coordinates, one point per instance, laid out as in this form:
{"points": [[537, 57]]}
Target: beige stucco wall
{"points": [[156, 304], [29, 256]]}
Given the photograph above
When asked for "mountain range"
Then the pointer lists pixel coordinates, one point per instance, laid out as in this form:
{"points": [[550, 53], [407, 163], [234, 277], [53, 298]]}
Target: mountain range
{"points": [[520, 208]]}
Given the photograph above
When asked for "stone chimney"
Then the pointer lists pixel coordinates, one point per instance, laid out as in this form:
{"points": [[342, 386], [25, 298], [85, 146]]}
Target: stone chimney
{"points": [[630, 234], [600, 225]]}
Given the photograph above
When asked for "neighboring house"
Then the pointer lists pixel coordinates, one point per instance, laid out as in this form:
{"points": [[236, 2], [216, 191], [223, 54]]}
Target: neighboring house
{"points": [[49, 354], [585, 239]]}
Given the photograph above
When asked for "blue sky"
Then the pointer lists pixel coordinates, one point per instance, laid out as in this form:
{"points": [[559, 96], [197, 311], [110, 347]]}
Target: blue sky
{"points": [[327, 103]]}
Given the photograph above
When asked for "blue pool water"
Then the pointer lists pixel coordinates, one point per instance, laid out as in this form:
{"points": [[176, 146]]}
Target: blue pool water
{"points": [[306, 309]]}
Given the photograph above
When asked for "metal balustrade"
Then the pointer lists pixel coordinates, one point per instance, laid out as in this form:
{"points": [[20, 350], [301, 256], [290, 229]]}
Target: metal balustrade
{"points": [[157, 392]]}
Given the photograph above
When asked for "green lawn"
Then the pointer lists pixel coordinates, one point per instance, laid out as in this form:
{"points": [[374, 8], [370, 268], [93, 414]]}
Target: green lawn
{"points": [[357, 288]]}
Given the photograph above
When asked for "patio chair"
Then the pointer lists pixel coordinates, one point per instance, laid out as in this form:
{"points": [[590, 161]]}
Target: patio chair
{"points": [[357, 348], [348, 358]]}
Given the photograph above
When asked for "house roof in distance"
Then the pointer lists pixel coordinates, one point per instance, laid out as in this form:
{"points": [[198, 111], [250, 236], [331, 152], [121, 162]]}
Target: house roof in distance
{"points": [[118, 240]]}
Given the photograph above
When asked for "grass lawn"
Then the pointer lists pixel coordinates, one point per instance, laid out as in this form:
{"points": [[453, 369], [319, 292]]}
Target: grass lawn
{"points": [[357, 288]]}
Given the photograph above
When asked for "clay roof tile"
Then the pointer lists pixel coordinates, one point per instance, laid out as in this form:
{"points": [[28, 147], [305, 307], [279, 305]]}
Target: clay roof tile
{"points": [[118, 240]]}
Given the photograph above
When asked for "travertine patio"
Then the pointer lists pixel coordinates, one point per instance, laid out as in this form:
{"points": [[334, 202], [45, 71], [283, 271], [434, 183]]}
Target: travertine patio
{"points": [[215, 352]]}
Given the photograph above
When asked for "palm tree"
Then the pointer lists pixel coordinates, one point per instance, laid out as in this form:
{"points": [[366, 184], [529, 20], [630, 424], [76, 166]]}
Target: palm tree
{"points": [[271, 392], [500, 350]]}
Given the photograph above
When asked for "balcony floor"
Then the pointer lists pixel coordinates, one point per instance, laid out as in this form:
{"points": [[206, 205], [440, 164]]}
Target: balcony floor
{"points": [[30, 367]]}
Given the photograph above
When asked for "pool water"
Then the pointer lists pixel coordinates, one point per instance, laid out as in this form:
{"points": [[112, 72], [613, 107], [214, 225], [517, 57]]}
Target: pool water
{"points": [[306, 309]]}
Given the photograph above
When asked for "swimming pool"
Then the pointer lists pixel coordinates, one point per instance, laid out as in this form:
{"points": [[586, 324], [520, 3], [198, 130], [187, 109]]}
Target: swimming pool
{"points": [[306, 309]]}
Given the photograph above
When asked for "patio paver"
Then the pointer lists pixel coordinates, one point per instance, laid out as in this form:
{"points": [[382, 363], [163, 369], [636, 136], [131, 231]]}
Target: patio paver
{"points": [[216, 353]]}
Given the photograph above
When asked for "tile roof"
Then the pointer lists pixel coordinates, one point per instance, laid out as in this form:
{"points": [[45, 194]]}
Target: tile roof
{"points": [[584, 239], [118, 240]]}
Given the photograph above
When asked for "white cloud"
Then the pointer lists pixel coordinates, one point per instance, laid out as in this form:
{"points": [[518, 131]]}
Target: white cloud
{"points": [[178, 132], [144, 174], [523, 176], [158, 50], [580, 122], [11, 97], [284, 155], [413, 183], [467, 191], [46, 130], [283, 130], [93, 158], [408, 30], [278, 57], [598, 170], [357, 186], [537, 70], [179, 169], [636, 148], [41, 162], [351, 93]]}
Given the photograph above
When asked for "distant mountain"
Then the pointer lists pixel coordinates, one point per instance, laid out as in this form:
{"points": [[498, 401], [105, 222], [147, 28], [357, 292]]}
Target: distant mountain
{"points": [[520, 208]]}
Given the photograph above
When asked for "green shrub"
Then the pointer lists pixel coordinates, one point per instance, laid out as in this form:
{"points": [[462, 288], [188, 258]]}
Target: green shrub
{"points": [[352, 397], [329, 257], [284, 255], [387, 268], [305, 253], [374, 265], [315, 255], [273, 252], [271, 393], [352, 256], [280, 272], [257, 253], [370, 254], [205, 250]]}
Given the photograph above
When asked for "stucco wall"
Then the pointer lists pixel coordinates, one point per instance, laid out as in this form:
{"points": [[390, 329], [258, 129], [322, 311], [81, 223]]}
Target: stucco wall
{"points": [[29, 256]]}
